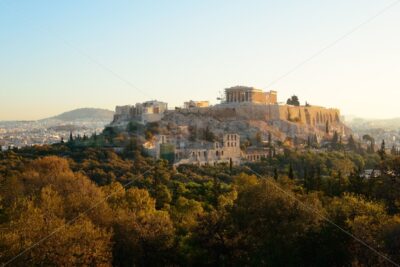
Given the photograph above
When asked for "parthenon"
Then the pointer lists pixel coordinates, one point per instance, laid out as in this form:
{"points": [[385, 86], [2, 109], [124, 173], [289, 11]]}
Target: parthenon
{"points": [[244, 94]]}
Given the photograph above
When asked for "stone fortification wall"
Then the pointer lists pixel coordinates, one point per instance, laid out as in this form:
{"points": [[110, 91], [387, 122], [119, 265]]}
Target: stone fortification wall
{"points": [[313, 115], [290, 120], [246, 111]]}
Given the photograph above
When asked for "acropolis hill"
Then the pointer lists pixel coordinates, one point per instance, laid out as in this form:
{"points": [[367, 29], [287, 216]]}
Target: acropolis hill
{"points": [[245, 111]]}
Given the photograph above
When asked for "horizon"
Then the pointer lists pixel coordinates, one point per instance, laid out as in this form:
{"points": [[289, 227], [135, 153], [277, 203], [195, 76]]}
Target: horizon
{"points": [[346, 116], [58, 57]]}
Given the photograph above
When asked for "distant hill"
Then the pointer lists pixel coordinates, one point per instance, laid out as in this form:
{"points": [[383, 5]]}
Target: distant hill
{"points": [[388, 124], [89, 114]]}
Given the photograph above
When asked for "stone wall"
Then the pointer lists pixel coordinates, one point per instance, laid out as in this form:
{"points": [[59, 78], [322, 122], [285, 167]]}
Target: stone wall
{"points": [[236, 111], [312, 115]]}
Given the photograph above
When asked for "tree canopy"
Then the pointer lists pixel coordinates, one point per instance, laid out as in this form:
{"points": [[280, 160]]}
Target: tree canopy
{"points": [[130, 210]]}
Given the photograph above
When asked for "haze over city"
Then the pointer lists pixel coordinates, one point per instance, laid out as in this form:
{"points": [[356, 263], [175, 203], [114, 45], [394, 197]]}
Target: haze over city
{"points": [[57, 56]]}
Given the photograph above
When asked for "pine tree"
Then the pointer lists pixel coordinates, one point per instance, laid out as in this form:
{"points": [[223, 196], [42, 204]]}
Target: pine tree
{"points": [[382, 151], [71, 138], [335, 139], [294, 100]]}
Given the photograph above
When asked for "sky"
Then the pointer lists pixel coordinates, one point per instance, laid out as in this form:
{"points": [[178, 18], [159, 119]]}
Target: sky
{"points": [[60, 55]]}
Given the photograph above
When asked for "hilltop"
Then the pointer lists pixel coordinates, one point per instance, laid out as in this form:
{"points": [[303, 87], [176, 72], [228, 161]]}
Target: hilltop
{"points": [[88, 114], [246, 111]]}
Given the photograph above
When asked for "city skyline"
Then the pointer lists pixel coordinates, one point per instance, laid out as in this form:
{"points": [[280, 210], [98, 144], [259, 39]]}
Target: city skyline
{"points": [[57, 57]]}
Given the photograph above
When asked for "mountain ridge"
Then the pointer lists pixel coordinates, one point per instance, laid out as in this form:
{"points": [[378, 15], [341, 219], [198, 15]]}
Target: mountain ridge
{"points": [[84, 114]]}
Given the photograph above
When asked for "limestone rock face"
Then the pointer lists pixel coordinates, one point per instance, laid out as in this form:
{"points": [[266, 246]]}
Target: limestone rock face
{"points": [[248, 119]]}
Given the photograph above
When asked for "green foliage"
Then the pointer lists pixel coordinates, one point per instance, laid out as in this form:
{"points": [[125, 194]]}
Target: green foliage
{"points": [[209, 135], [294, 100], [134, 126], [196, 216]]}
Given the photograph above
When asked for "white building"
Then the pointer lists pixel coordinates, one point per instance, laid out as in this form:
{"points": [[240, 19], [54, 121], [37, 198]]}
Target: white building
{"points": [[198, 152], [146, 112]]}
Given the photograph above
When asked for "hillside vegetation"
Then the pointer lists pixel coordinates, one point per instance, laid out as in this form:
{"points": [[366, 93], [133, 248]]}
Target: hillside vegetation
{"points": [[129, 210]]}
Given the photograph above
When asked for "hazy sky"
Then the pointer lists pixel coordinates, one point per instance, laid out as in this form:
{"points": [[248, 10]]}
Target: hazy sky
{"points": [[54, 54]]}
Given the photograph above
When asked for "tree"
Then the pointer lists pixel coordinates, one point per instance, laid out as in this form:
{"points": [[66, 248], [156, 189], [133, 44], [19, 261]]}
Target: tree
{"points": [[163, 196], [351, 143], [185, 213], [263, 218], [364, 218], [294, 101], [143, 235], [382, 151], [209, 135], [335, 140], [79, 243], [269, 139], [132, 127]]}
